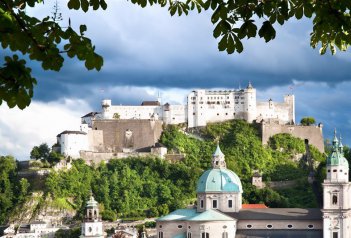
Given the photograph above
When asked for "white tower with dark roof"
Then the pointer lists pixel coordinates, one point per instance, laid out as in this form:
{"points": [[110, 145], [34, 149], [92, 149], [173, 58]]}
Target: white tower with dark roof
{"points": [[336, 195]]}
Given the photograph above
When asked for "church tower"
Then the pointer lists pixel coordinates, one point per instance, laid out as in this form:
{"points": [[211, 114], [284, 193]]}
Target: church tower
{"points": [[92, 225], [336, 195]]}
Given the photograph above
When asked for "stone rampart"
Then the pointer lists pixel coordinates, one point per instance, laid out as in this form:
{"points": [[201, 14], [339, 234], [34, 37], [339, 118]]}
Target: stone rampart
{"points": [[311, 134], [121, 135]]}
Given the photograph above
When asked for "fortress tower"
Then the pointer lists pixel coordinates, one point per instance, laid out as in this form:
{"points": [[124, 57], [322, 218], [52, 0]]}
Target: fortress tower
{"points": [[336, 195], [250, 103]]}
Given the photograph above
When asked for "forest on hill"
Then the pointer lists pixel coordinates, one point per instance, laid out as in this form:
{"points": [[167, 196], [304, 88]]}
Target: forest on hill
{"points": [[135, 188]]}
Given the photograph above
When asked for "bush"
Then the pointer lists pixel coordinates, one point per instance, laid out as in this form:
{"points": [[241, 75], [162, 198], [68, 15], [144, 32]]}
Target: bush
{"points": [[307, 121], [108, 215]]}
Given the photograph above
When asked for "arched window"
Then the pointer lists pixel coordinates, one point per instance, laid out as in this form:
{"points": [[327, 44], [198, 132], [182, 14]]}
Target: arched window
{"points": [[225, 234], [189, 234], [160, 234], [335, 199]]}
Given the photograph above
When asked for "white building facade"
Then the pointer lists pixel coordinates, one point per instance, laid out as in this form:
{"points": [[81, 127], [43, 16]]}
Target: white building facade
{"points": [[72, 142], [205, 106]]}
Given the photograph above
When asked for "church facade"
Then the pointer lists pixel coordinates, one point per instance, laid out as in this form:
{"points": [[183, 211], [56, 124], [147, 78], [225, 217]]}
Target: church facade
{"points": [[220, 213]]}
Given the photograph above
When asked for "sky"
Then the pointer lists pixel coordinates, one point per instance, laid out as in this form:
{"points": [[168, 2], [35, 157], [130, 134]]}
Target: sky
{"points": [[147, 51]]}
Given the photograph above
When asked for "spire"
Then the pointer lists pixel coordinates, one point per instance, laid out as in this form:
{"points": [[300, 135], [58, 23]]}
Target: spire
{"points": [[218, 161], [335, 142], [337, 155], [249, 86], [341, 147]]}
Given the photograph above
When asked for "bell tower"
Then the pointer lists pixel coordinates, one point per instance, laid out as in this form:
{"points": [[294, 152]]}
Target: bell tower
{"points": [[92, 225], [336, 194]]}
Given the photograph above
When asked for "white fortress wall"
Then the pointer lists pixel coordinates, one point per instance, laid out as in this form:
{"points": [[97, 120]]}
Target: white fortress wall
{"points": [[73, 142], [177, 114]]}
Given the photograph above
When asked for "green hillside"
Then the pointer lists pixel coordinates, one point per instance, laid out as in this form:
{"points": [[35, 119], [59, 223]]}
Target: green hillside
{"points": [[148, 187]]}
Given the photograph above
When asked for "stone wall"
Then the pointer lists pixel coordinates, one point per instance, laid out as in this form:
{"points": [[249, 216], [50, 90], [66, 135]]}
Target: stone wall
{"points": [[128, 135], [311, 134]]}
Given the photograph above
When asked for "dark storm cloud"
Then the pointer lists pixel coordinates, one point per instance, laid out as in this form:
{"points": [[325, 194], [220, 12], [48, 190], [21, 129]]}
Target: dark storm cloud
{"points": [[147, 47]]}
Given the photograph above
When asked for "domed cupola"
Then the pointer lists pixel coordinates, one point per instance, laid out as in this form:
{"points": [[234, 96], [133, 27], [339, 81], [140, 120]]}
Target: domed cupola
{"points": [[219, 188], [337, 165]]}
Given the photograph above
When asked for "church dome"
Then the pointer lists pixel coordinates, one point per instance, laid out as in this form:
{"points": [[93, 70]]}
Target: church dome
{"points": [[219, 180]]}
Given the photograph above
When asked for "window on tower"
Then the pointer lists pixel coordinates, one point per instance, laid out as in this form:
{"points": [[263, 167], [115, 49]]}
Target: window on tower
{"points": [[335, 199], [214, 204], [335, 234], [230, 203], [205, 235]]}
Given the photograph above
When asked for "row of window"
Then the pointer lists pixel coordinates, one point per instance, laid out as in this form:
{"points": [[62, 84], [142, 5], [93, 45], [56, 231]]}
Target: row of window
{"points": [[203, 235], [215, 203], [270, 226]]}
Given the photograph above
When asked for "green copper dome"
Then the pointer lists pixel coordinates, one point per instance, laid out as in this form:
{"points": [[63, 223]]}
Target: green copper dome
{"points": [[219, 180], [337, 156]]}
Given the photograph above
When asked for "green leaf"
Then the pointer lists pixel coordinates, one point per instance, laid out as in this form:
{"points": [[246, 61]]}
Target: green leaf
{"points": [[82, 29], [103, 4], [84, 5], [173, 9], [238, 45], [251, 29], [308, 10], [230, 45], [267, 31], [323, 49], [222, 45], [299, 12], [142, 3], [73, 4], [218, 30]]}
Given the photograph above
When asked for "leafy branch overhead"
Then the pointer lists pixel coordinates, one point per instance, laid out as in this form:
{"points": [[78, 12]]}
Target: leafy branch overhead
{"points": [[43, 40], [47, 41]]}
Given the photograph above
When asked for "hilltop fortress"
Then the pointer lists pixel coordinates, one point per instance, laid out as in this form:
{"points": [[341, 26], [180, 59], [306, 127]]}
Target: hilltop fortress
{"points": [[205, 106], [119, 131]]}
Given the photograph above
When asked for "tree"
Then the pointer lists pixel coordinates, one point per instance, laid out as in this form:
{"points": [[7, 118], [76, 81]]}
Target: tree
{"points": [[46, 41], [40, 152], [307, 121]]}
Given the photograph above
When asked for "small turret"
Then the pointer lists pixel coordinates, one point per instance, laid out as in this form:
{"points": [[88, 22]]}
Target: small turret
{"points": [[218, 161], [92, 209]]}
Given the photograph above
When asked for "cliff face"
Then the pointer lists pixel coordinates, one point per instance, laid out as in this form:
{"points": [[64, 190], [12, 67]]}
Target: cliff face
{"points": [[40, 207]]}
